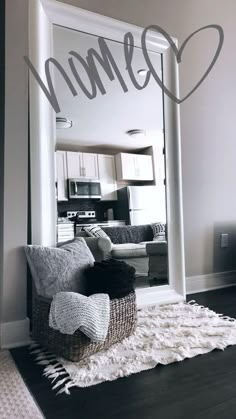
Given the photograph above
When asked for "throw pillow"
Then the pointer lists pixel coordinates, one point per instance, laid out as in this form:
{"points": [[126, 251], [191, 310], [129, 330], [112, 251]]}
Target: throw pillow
{"points": [[95, 231], [59, 269], [159, 231]]}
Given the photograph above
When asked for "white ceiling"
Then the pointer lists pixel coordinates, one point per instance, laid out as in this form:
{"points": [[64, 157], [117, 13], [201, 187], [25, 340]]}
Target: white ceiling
{"points": [[105, 120]]}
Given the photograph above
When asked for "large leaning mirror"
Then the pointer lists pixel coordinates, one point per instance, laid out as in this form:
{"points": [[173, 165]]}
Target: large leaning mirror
{"points": [[115, 146]]}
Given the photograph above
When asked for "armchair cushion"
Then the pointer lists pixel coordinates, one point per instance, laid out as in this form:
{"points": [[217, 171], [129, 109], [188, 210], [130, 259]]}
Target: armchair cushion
{"points": [[128, 250]]}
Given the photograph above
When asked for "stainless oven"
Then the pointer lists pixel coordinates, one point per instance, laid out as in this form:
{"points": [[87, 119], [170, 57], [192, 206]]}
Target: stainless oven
{"points": [[84, 190]]}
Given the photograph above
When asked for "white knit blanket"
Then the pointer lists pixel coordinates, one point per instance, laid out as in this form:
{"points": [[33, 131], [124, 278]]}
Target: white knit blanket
{"points": [[71, 311]]}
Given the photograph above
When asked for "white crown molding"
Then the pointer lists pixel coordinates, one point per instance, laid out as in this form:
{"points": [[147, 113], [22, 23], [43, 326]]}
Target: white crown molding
{"points": [[85, 21], [14, 334], [202, 283]]}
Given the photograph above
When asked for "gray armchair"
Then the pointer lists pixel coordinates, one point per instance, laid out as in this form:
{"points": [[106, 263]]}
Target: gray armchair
{"points": [[100, 247]]}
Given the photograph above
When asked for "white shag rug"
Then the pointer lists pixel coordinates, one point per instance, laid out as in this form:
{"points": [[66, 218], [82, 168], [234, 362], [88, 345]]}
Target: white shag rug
{"points": [[164, 334], [16, 401]]}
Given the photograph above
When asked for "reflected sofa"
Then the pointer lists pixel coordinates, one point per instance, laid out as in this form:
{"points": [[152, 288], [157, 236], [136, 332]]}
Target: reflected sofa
{"points": [[133, 245]]}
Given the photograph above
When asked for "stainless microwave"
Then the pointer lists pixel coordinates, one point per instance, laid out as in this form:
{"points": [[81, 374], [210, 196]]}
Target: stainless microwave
{"points": [[78, 189]]}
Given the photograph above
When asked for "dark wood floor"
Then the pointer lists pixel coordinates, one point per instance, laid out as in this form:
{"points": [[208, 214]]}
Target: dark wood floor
{"points": [[203, 387]]}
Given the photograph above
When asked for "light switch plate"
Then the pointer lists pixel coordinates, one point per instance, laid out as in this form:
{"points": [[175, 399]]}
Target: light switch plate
{"points": [[224, 240]]}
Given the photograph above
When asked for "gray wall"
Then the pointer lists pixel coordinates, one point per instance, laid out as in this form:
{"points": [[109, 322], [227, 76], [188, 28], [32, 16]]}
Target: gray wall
{"points": [[207, 119]]}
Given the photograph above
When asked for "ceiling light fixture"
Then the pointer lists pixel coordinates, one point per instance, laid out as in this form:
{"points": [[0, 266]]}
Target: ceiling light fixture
{"points": [[63, 123], [136, 133], [142, 72]]}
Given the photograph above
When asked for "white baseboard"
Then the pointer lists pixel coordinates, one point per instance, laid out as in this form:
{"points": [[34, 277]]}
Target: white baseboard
{"points": [[157, 295], [14, 334], [201, 283]]}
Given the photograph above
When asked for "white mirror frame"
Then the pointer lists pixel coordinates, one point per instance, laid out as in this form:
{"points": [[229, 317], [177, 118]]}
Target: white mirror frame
{"points": [[43, 14]]}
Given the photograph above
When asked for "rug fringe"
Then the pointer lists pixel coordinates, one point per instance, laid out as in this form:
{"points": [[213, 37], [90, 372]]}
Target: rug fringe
{"points": [[34, 345], [53, 369], [65, 389], [59, 383], [219, 315], [229, 319], [54, 372]]}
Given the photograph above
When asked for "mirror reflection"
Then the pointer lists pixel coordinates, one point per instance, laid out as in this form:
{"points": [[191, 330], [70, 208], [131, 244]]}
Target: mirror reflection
{"points": [[110, 160]]}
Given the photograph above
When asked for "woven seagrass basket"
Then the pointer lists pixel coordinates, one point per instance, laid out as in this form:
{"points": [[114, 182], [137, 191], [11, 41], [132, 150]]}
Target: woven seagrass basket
{"points": [[123, 318]]}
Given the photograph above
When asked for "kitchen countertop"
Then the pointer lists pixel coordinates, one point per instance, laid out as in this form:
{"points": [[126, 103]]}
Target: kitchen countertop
{"points": [[118, 222]]}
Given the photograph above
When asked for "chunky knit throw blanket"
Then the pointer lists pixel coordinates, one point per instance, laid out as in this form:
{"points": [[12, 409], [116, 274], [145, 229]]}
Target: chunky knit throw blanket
{"points": [[70, 311], [113, 277]]}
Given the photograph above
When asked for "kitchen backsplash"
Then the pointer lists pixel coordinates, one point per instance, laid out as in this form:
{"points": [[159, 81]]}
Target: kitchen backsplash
{"points": [[85, 205]]}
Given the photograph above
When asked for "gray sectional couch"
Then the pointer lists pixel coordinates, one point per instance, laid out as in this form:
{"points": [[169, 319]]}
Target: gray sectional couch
{"points": [[133, 245]]}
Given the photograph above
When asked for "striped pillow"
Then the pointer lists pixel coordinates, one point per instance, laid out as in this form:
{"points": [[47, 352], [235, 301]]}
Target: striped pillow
{"points": [[159, 231], [95, 231]]}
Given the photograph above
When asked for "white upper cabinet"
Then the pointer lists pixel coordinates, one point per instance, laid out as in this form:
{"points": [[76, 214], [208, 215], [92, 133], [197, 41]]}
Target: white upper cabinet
{"points": [[90, 165], [74, 164], [82, 165], [144, 167], [136, 167], [107, 176], [61, 176]]}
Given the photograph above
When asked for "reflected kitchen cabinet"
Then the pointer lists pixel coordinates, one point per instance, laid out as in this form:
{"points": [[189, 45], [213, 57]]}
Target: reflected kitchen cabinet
{"points": [[82, 165], [144, 167], [90, 165], [61, 175], [74, 164], [107, 176], [134, 167]]}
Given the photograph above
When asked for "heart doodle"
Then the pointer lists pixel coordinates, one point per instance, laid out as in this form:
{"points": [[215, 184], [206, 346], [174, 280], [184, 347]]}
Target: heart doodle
{"points": [[178, 54]]}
